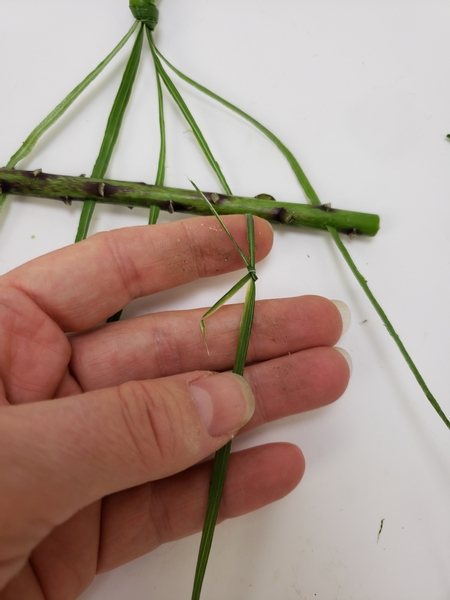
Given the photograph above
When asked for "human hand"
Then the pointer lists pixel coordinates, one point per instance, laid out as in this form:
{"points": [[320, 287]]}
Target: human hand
{"points": [[100, 436]]}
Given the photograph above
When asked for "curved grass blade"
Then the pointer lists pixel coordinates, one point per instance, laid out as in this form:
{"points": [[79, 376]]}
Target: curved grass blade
{"points": [[231, 292], [112, 130], [189, 117], [160, 174], [55, 114], [221, 457], [154, 210], [224, 227], [314, 199]]}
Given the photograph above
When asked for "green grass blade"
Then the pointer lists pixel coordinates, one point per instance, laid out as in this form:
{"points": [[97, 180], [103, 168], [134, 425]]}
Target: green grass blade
{"points": [[154, 210], [236, 287], [224, 227], [245, 328], [221, 457], [215, 495], [190, 119], [300, 174], [55, 114], [363, 283], [112, 130], [314, 199], [251, 245], [160, 175]]}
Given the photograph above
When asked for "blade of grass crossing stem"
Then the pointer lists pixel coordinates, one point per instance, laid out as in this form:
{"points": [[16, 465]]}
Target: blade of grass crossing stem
{"points": [[314, 199], [160, 174], [189, 118], [224, 227], [57, 112], [300, 174], [155, 210], [112, 130], [222, 455]]}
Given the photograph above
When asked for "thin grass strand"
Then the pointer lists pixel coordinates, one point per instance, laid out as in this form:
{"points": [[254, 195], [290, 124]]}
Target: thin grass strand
{"points": [[31, 141], [112, 130], [160, 175], [221, 457], [314, 199], [191, 121]]}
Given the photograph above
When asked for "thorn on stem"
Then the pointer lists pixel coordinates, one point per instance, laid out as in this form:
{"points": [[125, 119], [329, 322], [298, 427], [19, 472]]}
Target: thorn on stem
{"points": [[101, 189], [37, 172], [283, 216]]}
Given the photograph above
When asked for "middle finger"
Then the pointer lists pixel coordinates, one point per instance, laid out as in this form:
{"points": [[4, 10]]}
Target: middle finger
{"points": [[167, 343]]}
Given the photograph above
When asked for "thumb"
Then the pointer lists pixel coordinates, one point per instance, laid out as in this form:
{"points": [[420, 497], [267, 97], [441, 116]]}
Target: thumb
{"points": [[61, 455]]}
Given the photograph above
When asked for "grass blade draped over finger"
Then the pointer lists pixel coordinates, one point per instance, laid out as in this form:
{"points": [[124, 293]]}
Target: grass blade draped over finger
{"points": [[221, 457], [314, 199], [55, 114], [112, 130]]}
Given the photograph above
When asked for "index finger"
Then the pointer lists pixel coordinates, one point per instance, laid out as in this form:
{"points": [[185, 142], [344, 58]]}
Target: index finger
{"points": [[83, 284]]}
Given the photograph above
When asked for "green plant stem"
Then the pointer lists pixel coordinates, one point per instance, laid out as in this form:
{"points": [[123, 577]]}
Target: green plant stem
{"points": [[55, 114], [314, 199], [112, 130], [68, 189], [218, 475]]}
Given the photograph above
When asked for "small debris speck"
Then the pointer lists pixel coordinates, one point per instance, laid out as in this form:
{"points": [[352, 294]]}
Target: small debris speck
{"points": [[380, 530]]}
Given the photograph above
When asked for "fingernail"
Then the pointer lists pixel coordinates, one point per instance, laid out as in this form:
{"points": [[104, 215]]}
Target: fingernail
{"points": [[224, 401], [345, 314], [346, 355]]}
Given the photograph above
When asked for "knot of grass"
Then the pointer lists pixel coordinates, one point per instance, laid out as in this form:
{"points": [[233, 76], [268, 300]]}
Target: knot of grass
{"points": [[252, 272], [146, 12]]}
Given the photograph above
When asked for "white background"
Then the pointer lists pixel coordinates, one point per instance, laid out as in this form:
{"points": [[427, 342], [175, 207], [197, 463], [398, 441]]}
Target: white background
{"points": [[360, 91]]}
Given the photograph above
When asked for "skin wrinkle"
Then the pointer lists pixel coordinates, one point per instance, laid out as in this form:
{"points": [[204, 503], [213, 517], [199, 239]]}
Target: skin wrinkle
{"points": [[164, 353], [41, 336], [162, 529], [137, 416], [197, 255], [17, 587], [124, 270], [47, 584]]}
